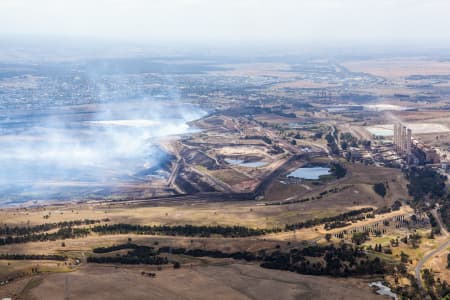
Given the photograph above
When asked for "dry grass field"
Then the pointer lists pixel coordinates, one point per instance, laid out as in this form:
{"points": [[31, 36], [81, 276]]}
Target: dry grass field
{"points": [[230, 281], [257, 69], [397, 68], [295, 84], [439, 265]]}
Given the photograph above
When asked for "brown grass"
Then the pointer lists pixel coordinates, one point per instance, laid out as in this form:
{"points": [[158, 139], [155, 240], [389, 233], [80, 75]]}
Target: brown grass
{"points": [[399, 67], [232, 281]]}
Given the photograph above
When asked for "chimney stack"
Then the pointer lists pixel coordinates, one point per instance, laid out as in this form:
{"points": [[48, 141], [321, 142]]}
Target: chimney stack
{"points": [[408, 141]]}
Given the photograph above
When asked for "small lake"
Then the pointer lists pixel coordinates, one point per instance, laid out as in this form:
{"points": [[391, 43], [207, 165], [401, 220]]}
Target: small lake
{"points": [[310, 172], [242, 163], [381, 130], [383, 290]]}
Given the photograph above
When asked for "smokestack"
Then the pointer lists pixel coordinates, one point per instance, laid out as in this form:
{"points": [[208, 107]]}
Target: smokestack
{"points": [[408, 141], [396, 135], [398, 138], [403, 143]]}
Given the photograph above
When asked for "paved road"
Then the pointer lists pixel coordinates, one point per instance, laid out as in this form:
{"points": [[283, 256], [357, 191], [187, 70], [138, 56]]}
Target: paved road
{"points": [[442, 247]]}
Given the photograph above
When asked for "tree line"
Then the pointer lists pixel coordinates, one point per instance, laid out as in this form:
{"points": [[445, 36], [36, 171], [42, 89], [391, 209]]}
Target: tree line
{"points": [[16, 230], [444, 210], [329, 221], [182, 230], [186, 230], [248, 256], [331, 143], [61, 234], [32, 257], [137, 255]]}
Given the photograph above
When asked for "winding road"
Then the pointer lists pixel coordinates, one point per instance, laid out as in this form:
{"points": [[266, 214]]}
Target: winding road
{"points": [[442, 247]]}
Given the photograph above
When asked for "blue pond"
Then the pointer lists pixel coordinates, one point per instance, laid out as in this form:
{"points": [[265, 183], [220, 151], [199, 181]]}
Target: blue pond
{"points": [[310, 172]]}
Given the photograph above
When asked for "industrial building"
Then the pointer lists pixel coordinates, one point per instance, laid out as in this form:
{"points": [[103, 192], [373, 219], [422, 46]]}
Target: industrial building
{"points": [[411, 149], [402, 139]]}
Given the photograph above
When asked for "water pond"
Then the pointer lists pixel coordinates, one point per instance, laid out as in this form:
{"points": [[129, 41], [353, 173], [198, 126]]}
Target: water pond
{"points": [[310, 172], [242, 163]]}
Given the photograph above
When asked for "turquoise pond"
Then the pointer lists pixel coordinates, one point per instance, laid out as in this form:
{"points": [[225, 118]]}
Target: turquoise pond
{"points": [[310, 172], [380, 131], [242, 163]]}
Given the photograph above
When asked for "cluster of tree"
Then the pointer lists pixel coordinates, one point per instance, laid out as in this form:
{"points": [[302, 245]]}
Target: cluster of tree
{"points": [[383, 210], [248, 256], [444, 211], [128, 260], [330, 191], [336, 224], [317, 135], [425, 182], [341, 261], [360, 237], [182, 230], [404, 258], [366, 143], [378, 248], [298, 136], [149, 274], [120, 247], [435, 228], [380, 189], [347, 216], [256, 110], [137, 255], [60, 234], [347, 139], [396, 205], [436, 289], [284, 114], [32, 257], [276, 149], [414, 240], [6, 230], [338, 170], [331, 143]]}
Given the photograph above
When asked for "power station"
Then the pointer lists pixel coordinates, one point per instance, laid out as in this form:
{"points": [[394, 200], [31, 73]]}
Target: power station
{"points": [[413, 150], [402, 139]]}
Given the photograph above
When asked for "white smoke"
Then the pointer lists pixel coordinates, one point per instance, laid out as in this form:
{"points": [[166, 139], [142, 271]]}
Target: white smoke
{"points": [[117, 140]]}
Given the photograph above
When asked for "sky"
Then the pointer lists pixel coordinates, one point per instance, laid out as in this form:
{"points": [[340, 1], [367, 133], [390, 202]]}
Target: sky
{"points": [[232, 21]]}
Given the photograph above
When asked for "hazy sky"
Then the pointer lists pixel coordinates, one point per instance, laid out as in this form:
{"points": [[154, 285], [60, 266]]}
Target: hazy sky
{"points": [[232, 20]]}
